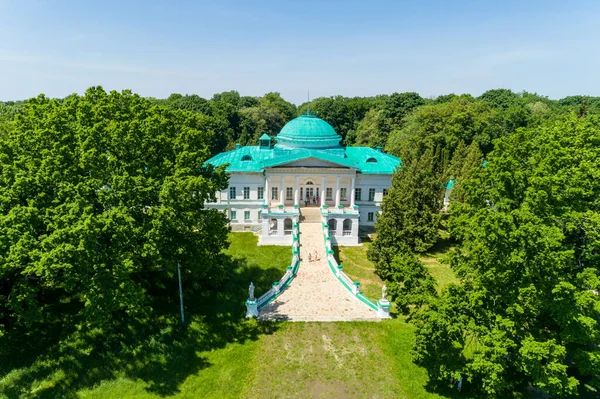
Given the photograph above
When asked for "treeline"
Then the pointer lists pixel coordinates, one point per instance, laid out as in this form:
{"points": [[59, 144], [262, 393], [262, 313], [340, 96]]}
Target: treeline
{"points": [[391, 121], [524, 224]]}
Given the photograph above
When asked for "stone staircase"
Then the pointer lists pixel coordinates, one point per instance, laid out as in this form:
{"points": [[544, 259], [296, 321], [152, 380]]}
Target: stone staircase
{"points": [[310, 215], [315, 294]]}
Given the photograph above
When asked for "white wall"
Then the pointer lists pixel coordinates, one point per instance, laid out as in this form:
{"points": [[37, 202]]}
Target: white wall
{"points": [[366, 182], [255, 180], [239, 204]]}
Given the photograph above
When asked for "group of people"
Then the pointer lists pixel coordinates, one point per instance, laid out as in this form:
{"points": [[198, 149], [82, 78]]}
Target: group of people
{"points": [[314, 257], [315, 200]]}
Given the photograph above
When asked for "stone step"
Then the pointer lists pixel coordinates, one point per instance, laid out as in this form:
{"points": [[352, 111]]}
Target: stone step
{"points": [[310, 215]]}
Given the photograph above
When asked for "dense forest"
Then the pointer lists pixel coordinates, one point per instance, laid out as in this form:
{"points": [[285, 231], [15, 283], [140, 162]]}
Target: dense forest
{"points": [[101, 195]]}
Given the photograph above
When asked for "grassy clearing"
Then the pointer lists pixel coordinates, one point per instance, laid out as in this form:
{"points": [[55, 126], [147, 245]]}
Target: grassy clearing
{"points": [[335, 360], [441, 272], [223, 355]]}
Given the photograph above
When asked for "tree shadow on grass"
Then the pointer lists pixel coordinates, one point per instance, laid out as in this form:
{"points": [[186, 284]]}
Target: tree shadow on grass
{"points": [[159, 351], [450, 391], [443, 245]]}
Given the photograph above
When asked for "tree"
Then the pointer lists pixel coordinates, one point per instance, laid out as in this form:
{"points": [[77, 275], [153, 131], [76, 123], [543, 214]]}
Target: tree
{"points": [[445, 125], [464, 162], [410, 282], [100, 197], [367, 131], [527, 311], [410, 214], [192, 103]]}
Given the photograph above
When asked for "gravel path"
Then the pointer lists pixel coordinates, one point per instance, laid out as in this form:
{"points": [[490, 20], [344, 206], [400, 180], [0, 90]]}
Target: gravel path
{"points": [[315, 294]]}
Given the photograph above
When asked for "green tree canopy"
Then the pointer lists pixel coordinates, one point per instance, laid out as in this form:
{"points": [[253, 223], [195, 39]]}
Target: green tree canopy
{"points": [[528, 309], [100, 196], [445, 125], [410, 213]]}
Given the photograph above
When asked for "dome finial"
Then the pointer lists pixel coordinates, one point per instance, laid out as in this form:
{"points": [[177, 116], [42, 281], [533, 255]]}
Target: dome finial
{"points": [[308, 110]]}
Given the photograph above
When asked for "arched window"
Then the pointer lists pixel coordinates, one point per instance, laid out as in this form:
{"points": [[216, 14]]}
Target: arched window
{"points": [[273, 227], [309, 183], [287, 227], [347, 227], [332, 226], [372, 160], [246, 158]]}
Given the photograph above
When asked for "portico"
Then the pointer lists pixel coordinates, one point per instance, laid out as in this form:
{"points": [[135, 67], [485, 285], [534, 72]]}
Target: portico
{"points": [[292, 186]]}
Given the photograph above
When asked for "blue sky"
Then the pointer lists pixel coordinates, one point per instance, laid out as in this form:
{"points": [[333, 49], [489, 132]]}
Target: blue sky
{"points": [[352, 48]]}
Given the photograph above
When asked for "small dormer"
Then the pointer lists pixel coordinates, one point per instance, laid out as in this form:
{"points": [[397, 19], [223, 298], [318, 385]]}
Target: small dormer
{"points": [[264, 142]]}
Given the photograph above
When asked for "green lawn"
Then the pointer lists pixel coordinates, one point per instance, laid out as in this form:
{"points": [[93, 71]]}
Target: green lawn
{"points": [[220, 354], [359, 268], [441, 272]]}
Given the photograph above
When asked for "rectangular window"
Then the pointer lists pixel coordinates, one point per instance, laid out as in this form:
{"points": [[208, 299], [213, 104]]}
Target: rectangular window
{"points": [[329, 194], [247, 215], [274, 193], [357, 194], [246, 192], [385, 192], [233, 215], [370, 216], [289, 193], [261, 193], [231, 192], [259, 215], [343, 194], [371, 194]]}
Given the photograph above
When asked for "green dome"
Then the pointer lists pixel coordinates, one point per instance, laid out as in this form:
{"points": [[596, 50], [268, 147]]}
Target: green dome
{"points": [[308, 131]]}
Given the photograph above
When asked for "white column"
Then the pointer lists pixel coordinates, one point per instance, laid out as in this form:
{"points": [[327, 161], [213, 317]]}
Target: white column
{"points": [[297, 191], [281, 191], [266, 193], [337, 193], [323, 190], [352, 192]]}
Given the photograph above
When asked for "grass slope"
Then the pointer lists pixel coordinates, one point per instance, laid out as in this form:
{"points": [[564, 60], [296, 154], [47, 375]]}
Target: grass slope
{"points": [[359, 268]]}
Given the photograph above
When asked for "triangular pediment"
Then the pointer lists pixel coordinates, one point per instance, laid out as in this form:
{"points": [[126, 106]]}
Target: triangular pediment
{"points": [[312, 162]]}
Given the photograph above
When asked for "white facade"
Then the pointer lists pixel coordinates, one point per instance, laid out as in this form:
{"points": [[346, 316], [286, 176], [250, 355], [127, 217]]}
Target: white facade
{"points": [[349, 200]]}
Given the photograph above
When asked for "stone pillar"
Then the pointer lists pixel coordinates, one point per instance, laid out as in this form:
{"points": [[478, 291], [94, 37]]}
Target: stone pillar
{"points": [[266, 193], [251, 307], [383, 309], [297, 192], [337, 193], [323, 190], [352, 189], [280, 227], [281, 191], [355, 225]]}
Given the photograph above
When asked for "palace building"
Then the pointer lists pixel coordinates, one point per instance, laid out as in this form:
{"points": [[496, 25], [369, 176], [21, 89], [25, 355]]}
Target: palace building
{"points": [[306, 171]]}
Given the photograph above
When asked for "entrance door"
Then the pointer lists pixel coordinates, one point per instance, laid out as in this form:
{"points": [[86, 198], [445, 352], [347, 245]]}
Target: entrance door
{"points": [[310, 193]]}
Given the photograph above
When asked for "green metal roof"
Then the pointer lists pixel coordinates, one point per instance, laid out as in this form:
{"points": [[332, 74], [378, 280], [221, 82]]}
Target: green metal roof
{"points": [[359, 158], [265, 137], [306, 137], [450, 184], [308, 131]]}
